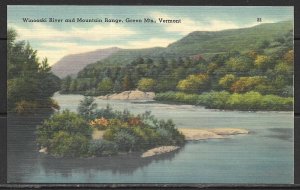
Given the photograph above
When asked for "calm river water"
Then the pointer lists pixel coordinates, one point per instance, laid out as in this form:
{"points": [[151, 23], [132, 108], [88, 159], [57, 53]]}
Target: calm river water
{"points": [[264, 156]]}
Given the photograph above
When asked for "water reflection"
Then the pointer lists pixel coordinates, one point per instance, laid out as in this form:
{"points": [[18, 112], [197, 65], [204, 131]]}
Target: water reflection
{"points": [[281, 133], [120, 164], [21, 146], [264, 156], [24, 158]]}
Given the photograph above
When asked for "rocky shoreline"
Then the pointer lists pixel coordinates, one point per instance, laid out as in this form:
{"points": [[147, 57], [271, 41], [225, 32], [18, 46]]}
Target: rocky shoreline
{"points": [[129, 95], [196, 135], [204, 134], [159, 150]]}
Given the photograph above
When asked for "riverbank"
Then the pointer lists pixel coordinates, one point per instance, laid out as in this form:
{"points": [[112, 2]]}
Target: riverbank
{"points": [[250, 101]]}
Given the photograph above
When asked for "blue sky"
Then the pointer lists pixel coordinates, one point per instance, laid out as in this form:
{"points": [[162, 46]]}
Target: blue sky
{"points": [[55, 40]]}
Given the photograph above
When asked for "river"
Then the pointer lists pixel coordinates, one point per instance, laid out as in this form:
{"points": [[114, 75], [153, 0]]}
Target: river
{"points": [[265, 156]]}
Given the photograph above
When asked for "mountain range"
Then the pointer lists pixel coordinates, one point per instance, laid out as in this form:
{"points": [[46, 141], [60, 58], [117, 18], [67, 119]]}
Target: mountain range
{"points": [[204, 43]]}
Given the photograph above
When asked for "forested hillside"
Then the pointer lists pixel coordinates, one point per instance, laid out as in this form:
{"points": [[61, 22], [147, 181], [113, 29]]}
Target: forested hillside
{"points": [[206, 43], [265, 67]]}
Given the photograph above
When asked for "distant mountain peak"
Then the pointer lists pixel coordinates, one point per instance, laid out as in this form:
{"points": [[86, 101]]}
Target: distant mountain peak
{"points": [[73, 63]]}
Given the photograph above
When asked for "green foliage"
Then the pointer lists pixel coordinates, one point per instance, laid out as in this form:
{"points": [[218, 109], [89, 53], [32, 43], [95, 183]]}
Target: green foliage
{"points": [[28, 80], [215, 100], [65, 85], [127, 83], [87, 108], [105, 86], [232, 71], [239, 64], [146, 84], [65, 134], [250, 101], [102, 148], [194, 83], [69, 134], [208, 43], [228, 62], [263, 62], [68, 144], [245, 84], [227, 81], [125, 140]]}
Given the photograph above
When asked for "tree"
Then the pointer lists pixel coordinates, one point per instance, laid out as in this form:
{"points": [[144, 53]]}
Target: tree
{"points": [[227, 81], [29, 81], [65, 85], [73, 85], [194, 83], [105, 86], [117, 86], [65, 134], [289, 57], [245, 84], [87, 107], [240, 64], [146, 84], [264, 44], [262, 62], [127, 83]]}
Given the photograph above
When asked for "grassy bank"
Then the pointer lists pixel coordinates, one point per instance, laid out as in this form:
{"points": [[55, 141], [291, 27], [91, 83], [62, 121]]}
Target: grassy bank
{"points": [[250, 101]]}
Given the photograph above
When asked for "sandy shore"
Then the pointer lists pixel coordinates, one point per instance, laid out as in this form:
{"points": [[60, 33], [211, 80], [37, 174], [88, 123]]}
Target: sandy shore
{"points": [[159, 150]]}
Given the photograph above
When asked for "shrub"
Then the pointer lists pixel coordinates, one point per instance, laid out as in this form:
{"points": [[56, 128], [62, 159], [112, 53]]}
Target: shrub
{"points": [[102, 148], [125, 140], [224, 100], [226, 81], [146, 84], [87, 108], [64, 131], [246, 84], [216, 100], [66, 144], [100, 124], [194, 83]]}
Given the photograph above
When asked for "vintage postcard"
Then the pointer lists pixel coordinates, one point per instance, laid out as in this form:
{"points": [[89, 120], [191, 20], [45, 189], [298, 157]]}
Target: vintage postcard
{"points": [[150, 94]]}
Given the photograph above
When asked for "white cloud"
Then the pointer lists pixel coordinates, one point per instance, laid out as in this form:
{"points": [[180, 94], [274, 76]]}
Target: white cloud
{"points": [[188, 25], [40, 31]]}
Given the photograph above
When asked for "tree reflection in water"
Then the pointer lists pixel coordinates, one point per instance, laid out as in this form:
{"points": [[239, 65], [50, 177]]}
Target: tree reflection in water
{"points": [[119, 164]]}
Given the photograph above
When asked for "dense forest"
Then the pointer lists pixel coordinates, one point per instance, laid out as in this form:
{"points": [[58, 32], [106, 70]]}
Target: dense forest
{"points": [[266, 69], [30, 83]]}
